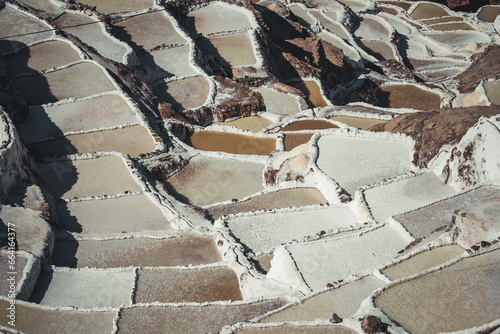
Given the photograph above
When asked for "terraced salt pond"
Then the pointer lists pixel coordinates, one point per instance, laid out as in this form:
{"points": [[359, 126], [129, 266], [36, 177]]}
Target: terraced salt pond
{"points": [[292, 140], [379, 49], [137, 252], [278, 103], [452, 26], [88, 29], [427, 11], [295, 197], [90, 114], [31, 319], [372, 28], [489, 13], [216, 18], [132, 140], [311, 90], [148, 31], [356, 162], [492, 89], [451, 299], [18, 267], [187, 93], [358, 122], [119, 6], [422, 262], [84, 288], [250, 123], [231, 143], [115, 215], [264, 232], [42, 5], [70, 82], [19, 29], [344, 300], [407, 96], [169, 62], [207, 181], [179, 319], [183, 285], [105, 175], [290, 329], [310, 124], [41, 57], [234, 50]]}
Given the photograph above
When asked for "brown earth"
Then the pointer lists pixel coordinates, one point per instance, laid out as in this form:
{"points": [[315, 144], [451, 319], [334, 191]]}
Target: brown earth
{"points": [[433, 129], [484, 66]]}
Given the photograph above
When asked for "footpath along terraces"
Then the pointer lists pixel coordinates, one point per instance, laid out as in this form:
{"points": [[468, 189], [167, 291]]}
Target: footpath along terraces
{"points": [[247, 166]]}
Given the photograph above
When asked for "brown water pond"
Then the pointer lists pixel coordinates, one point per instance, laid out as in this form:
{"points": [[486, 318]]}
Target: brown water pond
{"points": [[292, 140], [310, 124], [358, 122], [231, 143], [289, 329], [312, 92], [427, 11], [407, 96], [489, 13], [251, 123]]}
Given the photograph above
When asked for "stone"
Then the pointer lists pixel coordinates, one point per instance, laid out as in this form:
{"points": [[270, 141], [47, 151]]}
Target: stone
{"points": [[371, 325]]}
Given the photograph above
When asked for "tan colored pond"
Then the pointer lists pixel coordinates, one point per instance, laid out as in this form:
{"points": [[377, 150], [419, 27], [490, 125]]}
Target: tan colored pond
{"points": [[358, 122], [458, 297], [106, 175], [148, 30], [181, 285], [43, 56], [115, 215], [119, 6], [407, 96], [289, 329], [62, 84], [427, 11], [251, 123], [389, 10], [190, 319], [278, 103], [444, 20], [310, 124], [207, 181], [216, 18], [453, 26], [492, 89], [287, 198], [234, 49], [42, 321], [132, 140], [292, 140], [379, 49], [489, 13], [422, 262], [187, 93], [231, 143], [401, 4], [44, 5], [344, 301], [137, 252], [312, 92]]}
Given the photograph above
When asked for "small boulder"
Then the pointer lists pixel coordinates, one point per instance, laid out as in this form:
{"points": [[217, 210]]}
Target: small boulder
{"points": [[371, 324]]}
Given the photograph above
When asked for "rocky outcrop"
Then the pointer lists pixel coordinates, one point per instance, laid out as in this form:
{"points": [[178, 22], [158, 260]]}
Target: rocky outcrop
{"points": [[433, 129], [484, 66]]}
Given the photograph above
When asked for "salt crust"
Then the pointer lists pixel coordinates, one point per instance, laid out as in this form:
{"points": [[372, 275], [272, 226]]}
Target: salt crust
{"points": [[29, 276]]}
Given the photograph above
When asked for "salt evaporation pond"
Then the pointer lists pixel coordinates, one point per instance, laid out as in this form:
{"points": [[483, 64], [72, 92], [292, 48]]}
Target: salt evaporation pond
{"points": [[356, 162], [18, 267], [232, 143], [372, 28], [91, 114], [84, 288], [402, 4], [105, 175], [455, 298], [41, 57], [264, 232], [423, 261], [358, 122], [292, 140], [187, 285], [488, 13], [234, 50], [452, 26], [31, 319], [379, 49], [427, 11], [70, 82], [304, 18], [216, 18], [114, 215], [492, 89], [137, 252], [407, 96], [278, 103], [293, 198], [187, 93], [169, 62], [132, 140], [250, 123], [119, 6], [310, 124], [345, 301], [179, 320], [290, 329], [44, 5], [207, 181], [312, 92]]}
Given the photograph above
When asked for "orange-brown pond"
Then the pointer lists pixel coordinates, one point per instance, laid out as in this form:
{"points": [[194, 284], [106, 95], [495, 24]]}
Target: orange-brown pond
{"points": [[231, 143], [251, 123], [401, 4], [312, 92], [489, 13], [358, 122], [452, 26], [292, 140], [310, 124], [295, 197], [407, 96], [443, 20], [137, 252], [427, 11], [184, 285]]}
